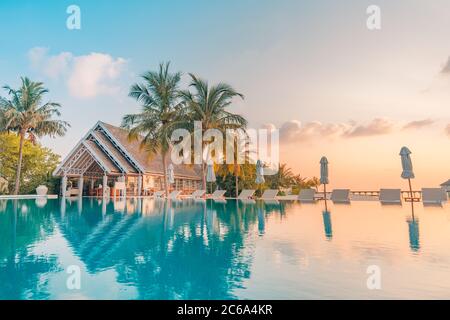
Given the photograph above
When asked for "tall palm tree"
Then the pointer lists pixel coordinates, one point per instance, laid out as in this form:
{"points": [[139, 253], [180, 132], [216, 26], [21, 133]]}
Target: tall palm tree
{"points": [[208, 105], [161, 109], [25, 114]]}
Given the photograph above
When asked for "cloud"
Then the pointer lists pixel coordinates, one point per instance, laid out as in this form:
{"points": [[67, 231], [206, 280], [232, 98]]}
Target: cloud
{"points": [[446, 67], [295, 131], [94, 74], [86, 76], [419, 124], [378, 126], [52, 67]]}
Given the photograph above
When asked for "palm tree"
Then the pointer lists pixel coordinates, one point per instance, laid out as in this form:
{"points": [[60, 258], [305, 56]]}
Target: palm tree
{"points": [[236, 168], [25, 114], [208, 105], [161, 109]]}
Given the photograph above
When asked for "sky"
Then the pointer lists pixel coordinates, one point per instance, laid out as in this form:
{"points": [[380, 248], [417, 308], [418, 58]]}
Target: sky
{"points": [[310, 68]]}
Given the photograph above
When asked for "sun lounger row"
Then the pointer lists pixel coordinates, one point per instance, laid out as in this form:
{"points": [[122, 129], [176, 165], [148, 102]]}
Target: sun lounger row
{"points": [[337, 195], [387, 196], [429, 196], [197, 194]]}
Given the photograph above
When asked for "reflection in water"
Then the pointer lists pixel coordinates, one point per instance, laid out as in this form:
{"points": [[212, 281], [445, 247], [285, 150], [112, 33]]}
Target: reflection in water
{"points": [[165, 249], [327, 225], [261, 221], [157, 249], [413, 230], [326, 215], [22, 270]]}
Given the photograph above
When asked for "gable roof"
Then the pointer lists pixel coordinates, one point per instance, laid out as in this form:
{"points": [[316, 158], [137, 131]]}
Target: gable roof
{"points": [[115, 153], [446, 183], [148, 164]]}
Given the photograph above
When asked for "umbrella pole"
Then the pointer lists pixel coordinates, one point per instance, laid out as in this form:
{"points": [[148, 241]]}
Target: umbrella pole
{"points": [[324, 192], [410, 190]]}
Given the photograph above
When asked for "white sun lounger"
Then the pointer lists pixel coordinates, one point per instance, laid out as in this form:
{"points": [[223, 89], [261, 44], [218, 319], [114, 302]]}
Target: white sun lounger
{"points": [[159, 194], [269, 194], [307, 195], [434, 196], [340, 195], [390, 196], [174, 195], [218, 194], [246, 194], [197, 194]]}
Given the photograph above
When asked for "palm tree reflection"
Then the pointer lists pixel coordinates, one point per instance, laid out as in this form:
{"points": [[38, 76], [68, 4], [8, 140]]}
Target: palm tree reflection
{"points": [[166, 250], [176, 250], [23, 272], [172, 250]]}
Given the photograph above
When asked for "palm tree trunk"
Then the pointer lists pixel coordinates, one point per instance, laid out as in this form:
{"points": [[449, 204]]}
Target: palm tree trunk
{"points": [[166, 185], [19, 164]]}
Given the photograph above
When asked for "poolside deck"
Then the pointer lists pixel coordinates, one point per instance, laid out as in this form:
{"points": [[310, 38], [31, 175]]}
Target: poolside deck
{"points": [[29, 196]]}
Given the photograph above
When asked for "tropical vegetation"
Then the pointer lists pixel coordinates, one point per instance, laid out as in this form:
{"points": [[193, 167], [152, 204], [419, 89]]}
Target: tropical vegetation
{"points": [[209, 106], [165, 107], [161, 109], [25, 113], [284, 180], [25, 117], [37, 166]]}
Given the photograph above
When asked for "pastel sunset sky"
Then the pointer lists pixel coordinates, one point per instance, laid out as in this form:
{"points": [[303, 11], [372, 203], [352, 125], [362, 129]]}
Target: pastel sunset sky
{"points": [[310, 68]]}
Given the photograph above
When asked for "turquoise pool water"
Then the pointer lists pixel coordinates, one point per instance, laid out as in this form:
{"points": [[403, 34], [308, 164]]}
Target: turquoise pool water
{"points": [[147, 249]]}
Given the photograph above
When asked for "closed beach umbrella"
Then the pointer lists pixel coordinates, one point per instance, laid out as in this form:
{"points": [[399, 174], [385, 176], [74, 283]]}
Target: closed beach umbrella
{"points": [[324, 171], [170, 174], [407, 167], [324, 176], [210, 174], [259, 173]]}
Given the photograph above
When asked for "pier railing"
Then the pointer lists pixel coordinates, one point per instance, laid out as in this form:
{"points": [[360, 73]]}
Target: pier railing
{"points": [[406, 195], [375, 195]]}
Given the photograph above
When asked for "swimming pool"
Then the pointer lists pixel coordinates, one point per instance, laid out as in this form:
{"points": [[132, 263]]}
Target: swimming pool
{"points": [[153, 249]]}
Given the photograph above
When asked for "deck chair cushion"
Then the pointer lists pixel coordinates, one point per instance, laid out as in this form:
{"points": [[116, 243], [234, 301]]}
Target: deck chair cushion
{"points": [[390, 196], [246, 194], [340, 195], [306, 195], [433, 195], [174, 194], [218, 194], [269, 194], [198, 193]]}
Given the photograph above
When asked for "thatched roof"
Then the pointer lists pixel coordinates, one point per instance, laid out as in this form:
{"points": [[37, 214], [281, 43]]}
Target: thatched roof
{"points": [[114, 152], [150, 164]]}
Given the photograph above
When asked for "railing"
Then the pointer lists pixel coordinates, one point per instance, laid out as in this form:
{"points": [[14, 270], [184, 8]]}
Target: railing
{"points": [[375, 195], [406, 195]]}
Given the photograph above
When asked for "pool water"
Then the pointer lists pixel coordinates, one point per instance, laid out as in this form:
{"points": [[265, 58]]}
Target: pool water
{"points": [[154, 249]]}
